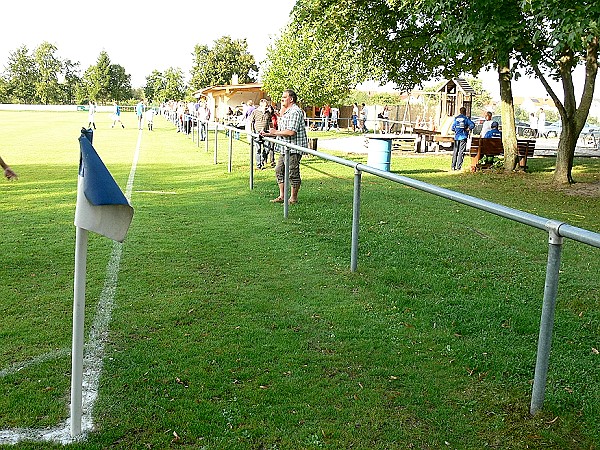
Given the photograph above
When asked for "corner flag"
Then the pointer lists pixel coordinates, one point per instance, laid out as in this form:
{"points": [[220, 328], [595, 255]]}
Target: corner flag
{"points": [[101, 206]]}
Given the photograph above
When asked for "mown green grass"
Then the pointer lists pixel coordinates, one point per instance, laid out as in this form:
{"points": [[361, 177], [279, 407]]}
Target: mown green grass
{"points": [[235, 328]]}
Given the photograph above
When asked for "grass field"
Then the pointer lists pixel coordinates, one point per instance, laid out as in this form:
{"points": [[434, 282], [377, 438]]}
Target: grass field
{"points": [[234, 328]]}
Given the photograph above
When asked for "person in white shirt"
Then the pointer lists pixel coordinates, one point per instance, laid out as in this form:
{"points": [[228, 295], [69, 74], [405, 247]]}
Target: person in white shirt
{"points": [[487, 124], [541, 129]]}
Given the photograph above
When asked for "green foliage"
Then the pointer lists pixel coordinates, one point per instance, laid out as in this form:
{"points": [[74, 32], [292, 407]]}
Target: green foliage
{"points": [[47, 87], [4, 98], [174, 84], [40, 77], [217, 65], [105, 82], [21, 75], [563, 36], [164, 86], [120, 83], [70, 87], [319, 68]]}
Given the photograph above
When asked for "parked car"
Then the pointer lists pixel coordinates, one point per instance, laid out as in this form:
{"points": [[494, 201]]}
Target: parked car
{"points": [[554, 129], [523, 128], [590, 134], [478, 121], [588, 130]]}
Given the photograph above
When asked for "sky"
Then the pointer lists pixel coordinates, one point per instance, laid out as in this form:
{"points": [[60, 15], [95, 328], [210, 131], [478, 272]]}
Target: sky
{"points": [[143, 36]]}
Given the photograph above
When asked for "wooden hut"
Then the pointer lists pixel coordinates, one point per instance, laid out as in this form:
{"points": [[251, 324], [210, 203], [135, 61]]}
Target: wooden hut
{"points": [[454, 93]]}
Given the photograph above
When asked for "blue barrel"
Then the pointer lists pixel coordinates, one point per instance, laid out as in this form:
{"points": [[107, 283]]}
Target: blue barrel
{"points": [[380, 153]]}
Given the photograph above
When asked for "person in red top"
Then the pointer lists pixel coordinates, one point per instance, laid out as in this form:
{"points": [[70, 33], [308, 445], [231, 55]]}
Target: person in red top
{"points": [[270, 147], [325, 115]]}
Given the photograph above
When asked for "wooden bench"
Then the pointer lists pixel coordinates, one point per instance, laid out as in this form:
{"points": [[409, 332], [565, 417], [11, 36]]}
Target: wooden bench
{"points": [[492, 147]]}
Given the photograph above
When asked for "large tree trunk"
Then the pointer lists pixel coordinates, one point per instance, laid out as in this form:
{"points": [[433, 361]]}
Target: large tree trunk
{"points": [[509, 133], [573, 117]]}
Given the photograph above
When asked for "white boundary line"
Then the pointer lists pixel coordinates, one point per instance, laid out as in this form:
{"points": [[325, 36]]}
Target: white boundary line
{"points": [[93, 352]]}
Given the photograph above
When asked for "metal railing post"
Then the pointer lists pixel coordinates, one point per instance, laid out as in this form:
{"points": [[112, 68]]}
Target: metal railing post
{"points": [[206, 134], [200, 124], [229, 168], [355, 219], [286, 182], [251, 164], [216, 140], [547, 320]]}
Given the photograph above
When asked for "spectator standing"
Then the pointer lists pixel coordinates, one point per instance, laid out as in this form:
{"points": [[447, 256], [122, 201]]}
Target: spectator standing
{"points": [[325, 115], [91, 114], [274, 117], [249, 109], [354, 116], [386, 119], [335, 115], [260, 121], [8, 172], [292, 130], [203, 118], [541, 128], [533, 124], [187, 119], [461, 126], [364, 113]]}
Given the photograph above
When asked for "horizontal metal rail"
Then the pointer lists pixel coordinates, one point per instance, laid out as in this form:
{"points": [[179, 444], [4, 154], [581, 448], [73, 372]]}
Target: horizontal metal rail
{"points": [[557, 231]]}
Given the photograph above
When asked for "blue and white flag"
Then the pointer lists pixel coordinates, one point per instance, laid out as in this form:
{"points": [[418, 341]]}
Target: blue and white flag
{"points": [[101, 206]]}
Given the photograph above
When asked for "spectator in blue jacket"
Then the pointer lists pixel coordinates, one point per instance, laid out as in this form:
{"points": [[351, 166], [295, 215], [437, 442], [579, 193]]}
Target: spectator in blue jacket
{"points": [[494, 132], [461, 126]]}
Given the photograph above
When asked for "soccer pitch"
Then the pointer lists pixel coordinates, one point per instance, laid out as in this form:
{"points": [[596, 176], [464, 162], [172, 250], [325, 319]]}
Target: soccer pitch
{"points": [[220, 324]]}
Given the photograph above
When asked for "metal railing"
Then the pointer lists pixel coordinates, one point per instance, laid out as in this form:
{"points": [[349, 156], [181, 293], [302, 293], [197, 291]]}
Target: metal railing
{"points": [[556, 230]]}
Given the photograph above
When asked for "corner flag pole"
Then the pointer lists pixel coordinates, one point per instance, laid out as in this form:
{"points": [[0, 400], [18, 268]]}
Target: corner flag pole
{"points": [[81, 241], [102, 208]]}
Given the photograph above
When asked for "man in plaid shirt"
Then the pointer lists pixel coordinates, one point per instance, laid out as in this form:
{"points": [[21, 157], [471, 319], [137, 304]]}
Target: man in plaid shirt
{"points": [[290, 129]]}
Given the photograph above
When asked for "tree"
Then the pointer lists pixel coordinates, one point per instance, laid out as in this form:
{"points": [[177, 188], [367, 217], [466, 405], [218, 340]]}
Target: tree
{"points": [[318, 73], [409, 41], [199, 72], [155, 85], [105, 82], [120, 83], [174, 88], [472, 42], [565, 35], [217, 66], [4, 98], [21, 76], [391, 39], [49, 67], [71, 82], [96, 80]]}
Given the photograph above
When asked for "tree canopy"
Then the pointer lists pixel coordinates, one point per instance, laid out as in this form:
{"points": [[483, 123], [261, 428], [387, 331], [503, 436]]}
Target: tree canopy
{"points": [[409, 42], [217, 65], [320, 71], [105, 82]]}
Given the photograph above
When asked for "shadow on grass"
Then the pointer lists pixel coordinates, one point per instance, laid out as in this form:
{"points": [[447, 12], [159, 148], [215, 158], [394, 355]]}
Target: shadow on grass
{"points": [[418, 171]]}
